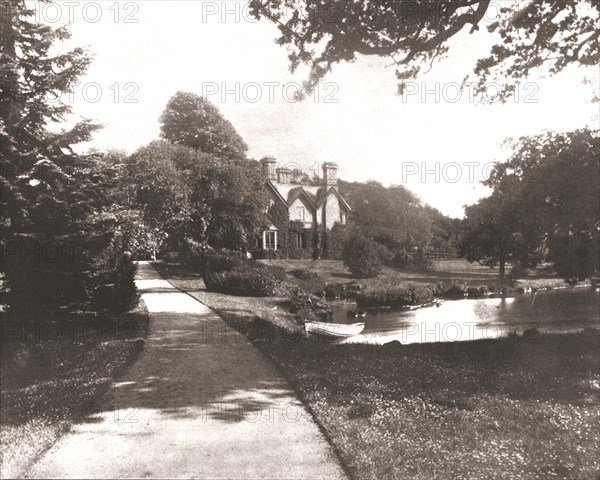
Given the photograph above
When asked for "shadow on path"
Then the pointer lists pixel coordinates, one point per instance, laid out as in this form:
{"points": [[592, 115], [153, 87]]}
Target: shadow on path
{"points": [[200, 402]]}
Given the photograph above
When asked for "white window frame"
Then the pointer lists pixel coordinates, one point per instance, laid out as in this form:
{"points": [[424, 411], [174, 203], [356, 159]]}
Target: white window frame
{"points": [[273, 244], [301, 213]]}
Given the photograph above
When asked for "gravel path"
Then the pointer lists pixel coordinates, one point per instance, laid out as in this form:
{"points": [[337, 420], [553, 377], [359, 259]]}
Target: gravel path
{"points": [[200, 402]]}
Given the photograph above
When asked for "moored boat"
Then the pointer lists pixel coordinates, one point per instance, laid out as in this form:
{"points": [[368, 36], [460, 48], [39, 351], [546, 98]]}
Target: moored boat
{"points": [[334, 330]]}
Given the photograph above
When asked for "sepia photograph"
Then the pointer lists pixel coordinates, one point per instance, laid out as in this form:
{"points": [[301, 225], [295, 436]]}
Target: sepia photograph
{"points": [[300, 239]]}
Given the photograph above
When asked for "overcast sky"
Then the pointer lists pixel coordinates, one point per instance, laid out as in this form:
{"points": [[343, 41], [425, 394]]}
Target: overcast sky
{"points": [[437, 147]]}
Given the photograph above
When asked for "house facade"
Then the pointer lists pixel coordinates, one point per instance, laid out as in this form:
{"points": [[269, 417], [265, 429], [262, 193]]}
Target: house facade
{"points": [[315, 206]]}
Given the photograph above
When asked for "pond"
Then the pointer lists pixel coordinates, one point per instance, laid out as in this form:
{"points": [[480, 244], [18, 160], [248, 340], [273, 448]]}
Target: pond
{"points": [[566, 310]]}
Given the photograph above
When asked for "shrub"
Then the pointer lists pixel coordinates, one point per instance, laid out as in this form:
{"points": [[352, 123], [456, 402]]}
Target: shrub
{"points": [[395, 296], [301, 300], [296, 253], [451, 291], [235, 276], [518, 271], [115, 290], [317, 238], [124, 279], [222, 262], [261, 254], [172, 257], [337, 237], [191, 252], [473, 292], [36, 280], [246, 283], [531, 333], [488, 262], [363, 257], [276, 273], [343, 290], [304, 274], [413, 261]]}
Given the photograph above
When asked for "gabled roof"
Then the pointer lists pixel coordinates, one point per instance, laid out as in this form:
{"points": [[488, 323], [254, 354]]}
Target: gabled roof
{"points": [[315, 196], [274, 189], [293, 194], [298, 192], [325, 193]]}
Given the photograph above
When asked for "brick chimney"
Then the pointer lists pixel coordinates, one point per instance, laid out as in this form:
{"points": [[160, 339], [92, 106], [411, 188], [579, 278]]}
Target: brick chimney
{"points": [[330, 171], [283, 175], [269, 167]]}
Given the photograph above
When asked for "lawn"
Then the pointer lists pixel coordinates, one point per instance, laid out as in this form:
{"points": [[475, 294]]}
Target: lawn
{"points": [[476, 410], [447, 272], [54, 369], [506, 408]]}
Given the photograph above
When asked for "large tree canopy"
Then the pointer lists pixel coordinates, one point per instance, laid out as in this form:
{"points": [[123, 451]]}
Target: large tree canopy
{"points": [[545, 204], [397, 219], [413, 33], [191, 120], [189, 196], [493, 230]]}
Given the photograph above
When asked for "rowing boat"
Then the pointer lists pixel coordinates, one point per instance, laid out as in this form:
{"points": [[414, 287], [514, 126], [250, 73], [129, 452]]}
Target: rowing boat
{"points": [[334, 330]]}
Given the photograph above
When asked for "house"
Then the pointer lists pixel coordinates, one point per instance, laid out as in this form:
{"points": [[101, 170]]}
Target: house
{"points": [[315, 206]]}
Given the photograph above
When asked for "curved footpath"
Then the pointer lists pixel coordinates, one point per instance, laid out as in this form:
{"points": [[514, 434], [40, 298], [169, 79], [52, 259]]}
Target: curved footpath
{"points": [[200, 402]]}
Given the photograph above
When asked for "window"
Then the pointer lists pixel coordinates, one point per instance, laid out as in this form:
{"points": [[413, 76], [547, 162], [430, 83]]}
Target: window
{"points": [[301, 213], [300, 241], [270, 240], [342, 217]]}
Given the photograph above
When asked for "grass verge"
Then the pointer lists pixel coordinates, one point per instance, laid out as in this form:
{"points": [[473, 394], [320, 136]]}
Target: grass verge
{"points": [[503, 408], [53, 372]]}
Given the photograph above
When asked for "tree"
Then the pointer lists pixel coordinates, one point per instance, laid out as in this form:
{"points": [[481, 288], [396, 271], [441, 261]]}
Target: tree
{"points": [[549, 33], [545, 198], [492, 232], [560, 174], [49, 194], [228, 202], [154, 185], [25, 109], [363, 256], [233, 190], [193, 121], [189, 196], [337, 237], [393, 212]]}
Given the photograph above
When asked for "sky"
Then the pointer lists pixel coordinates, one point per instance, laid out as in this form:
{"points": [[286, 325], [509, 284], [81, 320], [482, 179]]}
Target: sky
{"points": [[435, 141]]}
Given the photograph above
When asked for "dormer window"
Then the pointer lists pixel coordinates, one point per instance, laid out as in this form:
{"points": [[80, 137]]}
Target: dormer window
{"points": [[301, 214]]}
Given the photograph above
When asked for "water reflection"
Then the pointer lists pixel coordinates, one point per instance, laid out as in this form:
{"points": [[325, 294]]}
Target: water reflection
{"points": [[458, 320]]}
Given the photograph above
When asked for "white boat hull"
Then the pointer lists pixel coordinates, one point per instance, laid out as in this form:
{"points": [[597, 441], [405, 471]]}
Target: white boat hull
{"points": [[334, 330]]}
